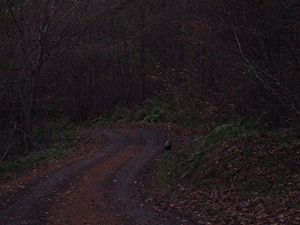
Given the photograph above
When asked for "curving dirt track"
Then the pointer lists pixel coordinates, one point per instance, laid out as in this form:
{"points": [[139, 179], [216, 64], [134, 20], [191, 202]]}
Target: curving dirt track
{"points": [[98, 190]]}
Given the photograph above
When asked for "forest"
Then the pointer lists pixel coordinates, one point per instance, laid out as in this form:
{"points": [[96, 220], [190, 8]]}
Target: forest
{"points": [[225, 72]]}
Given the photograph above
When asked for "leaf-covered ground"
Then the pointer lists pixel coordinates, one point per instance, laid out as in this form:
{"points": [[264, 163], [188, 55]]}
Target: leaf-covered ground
{"points": [[252, 178], [248, 179]]}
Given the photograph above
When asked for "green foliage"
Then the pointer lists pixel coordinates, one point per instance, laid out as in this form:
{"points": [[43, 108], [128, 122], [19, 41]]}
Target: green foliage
{"points": [[52, 133], [284, 141], [238, 154], [33, 159], [219, 134], [164, 172], [99, 121], [155, 111], [236, 128], [56, 134], [122, 115], [5, 14], [189, 158]]}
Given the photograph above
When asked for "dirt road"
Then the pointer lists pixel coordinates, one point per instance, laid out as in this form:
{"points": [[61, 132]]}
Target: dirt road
{"points": [[100, 189]]}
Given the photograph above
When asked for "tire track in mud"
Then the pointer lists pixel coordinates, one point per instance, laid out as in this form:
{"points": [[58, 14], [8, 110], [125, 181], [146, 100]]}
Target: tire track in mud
{"points": [[125, 192], [98, 190]]}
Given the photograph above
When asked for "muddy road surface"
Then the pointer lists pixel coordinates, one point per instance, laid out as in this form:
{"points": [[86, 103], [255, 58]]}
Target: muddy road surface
{"points": [[98, 190]]}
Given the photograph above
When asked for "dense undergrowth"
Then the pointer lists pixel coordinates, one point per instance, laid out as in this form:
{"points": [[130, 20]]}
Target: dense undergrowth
{"points": [[236, 155], [153, 111], [222, 163], [237, 176], [234, 171], [61, 145], [11, 167], [223, 149], [238, 151], [62, 135]]}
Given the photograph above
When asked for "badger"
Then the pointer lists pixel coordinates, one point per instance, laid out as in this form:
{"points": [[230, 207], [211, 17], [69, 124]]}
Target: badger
{"points": [[168, 145]]}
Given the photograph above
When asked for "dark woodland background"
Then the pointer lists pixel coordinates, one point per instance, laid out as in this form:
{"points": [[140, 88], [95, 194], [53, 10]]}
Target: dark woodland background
{"points": [[80, 59]]}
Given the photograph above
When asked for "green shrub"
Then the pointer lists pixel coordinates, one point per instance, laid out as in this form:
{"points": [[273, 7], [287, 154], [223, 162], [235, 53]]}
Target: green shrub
{"points": [[33, 159], [191, 156]]}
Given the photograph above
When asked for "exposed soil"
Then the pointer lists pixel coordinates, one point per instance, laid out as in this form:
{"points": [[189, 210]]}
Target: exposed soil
{"points": [[99, 189], [92, 140], [110, 183]]}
